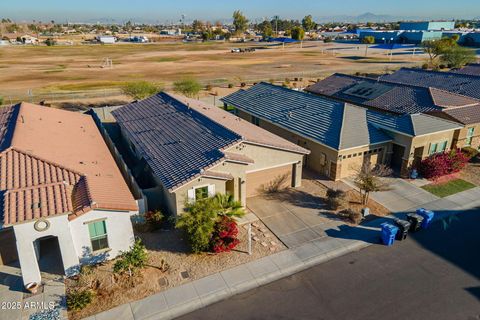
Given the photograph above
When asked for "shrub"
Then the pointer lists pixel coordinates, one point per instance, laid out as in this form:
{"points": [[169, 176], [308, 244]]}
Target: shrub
{"points": [[201, 218], [224, 238], [189, 87], [79, 299], [154, 219], [425, 66], [132, 260], [470, 152], [243, 84], [140, 89], [336, 198], [441, 164], [230, 85], [208, 87]]}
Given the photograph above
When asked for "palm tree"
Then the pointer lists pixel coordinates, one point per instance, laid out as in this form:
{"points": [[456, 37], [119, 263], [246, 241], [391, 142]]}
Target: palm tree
{"points": [[228, 206]]}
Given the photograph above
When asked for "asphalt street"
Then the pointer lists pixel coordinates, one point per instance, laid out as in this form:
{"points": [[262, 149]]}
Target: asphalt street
{"points": [[434, 274]]}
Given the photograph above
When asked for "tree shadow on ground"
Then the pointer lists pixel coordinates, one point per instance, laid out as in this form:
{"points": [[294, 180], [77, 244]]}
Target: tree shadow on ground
{"points": [[297, 198], [172, 240]]}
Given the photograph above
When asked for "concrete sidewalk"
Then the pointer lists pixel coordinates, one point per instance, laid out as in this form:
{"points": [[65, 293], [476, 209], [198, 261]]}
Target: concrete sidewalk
{"points": [[216, 287]]}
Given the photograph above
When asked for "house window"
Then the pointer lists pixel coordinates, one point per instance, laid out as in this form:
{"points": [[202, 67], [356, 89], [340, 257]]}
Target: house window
{"points": [[468, 140], [443, 146], [255, 121], [201, 193], [98, 235]]}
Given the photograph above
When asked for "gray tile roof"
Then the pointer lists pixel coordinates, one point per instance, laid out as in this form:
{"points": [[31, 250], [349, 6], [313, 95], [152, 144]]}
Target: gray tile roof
{"points": [[471, 69], [177, 142], [411, 124], [397, 98], [464, 84], [6, 126], [331, 123]]}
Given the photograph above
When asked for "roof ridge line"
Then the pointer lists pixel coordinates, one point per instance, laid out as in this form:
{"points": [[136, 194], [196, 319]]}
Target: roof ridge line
{"points": [[454, 94]]}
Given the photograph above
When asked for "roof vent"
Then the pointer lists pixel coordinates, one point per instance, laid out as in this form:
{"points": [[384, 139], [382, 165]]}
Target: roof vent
{"points": [[290, 114]]}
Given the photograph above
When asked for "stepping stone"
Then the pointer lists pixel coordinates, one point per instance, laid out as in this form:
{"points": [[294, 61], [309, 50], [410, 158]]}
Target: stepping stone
{"points": [[253, 234], [267, 235], [263, 230], [163, 282], [273, 243], [185, 274], [255, 239], [264, 244], [255, 224], [273, 248]]}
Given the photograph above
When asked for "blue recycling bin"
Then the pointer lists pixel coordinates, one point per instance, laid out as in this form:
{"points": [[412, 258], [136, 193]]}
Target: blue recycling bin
{"points": [[427, 217], [388, 233]]}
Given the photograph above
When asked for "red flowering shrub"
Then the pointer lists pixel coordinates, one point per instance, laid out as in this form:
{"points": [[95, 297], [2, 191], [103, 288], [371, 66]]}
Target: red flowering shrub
{"points": [[441, 164], [224, 237]]}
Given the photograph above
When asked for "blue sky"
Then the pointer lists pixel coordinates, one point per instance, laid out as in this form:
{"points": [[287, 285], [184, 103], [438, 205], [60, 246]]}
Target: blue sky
{"points": [[160, 10]]}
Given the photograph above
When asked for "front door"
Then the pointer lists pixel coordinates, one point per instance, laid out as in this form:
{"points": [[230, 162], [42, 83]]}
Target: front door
{"points": [[49, 255], [397, 157]]}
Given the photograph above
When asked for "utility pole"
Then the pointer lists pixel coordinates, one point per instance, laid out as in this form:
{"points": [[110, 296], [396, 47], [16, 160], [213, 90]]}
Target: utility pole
{"points": [[276, 26]]}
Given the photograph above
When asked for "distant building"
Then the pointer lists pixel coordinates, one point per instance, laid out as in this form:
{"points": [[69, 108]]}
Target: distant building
{"points": [[428, 25], [106, 39], [412, 32]]}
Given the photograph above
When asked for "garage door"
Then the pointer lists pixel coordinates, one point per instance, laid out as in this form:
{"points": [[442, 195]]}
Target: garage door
{"points": [[259, 181], [350, 166]]}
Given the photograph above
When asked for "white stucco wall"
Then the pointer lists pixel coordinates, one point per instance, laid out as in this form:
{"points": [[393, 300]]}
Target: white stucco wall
{"points": [[74, 240], [26, 234], [119, 233]]}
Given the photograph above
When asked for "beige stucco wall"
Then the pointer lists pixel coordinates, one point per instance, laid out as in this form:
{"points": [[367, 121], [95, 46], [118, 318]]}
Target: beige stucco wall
{"points": [[462, 134], [347, 167]]}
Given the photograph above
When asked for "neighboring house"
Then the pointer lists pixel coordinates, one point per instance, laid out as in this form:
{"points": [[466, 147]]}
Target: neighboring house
{"points": [[400, 98], [28, 39], [462, 84], [342, 136], [62, 193], [193, 151]]}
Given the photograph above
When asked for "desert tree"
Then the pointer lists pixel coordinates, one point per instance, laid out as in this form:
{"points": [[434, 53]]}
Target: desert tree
{"points": [[370, 179], [240, 22], [140, 89], [189, 87]]}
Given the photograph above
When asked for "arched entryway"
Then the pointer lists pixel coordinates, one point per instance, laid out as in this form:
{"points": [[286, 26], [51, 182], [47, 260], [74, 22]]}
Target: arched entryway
{"points": [[49, 256]]}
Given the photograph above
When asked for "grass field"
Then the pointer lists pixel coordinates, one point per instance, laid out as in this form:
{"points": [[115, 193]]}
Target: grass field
{"points": [[41, 69], [448, 188]]}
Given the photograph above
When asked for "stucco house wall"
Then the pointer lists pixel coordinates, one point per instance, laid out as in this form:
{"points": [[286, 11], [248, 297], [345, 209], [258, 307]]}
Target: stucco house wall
{"points": [[461, 136]]}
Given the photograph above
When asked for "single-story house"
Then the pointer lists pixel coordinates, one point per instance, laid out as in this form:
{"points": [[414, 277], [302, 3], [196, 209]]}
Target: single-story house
{"points": [[342, 136], [64, 201], [193, 151], [399, 98], [107, 39]]}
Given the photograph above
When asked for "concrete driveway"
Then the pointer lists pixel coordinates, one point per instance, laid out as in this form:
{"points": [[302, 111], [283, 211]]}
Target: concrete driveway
{"points": [[295, 216], [402, 196]]}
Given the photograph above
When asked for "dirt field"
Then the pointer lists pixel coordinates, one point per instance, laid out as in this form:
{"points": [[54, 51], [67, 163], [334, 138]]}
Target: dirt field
{"points": [[44, 69]]}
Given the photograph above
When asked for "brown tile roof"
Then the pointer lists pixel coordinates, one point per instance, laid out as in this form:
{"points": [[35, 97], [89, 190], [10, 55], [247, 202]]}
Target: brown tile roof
{"points": [[61, 156], [447, 99], [248, 131]]}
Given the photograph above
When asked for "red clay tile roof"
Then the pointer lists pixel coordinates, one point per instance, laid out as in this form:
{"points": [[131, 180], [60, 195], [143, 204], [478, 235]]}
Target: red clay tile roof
{"points": [[56, 152]]}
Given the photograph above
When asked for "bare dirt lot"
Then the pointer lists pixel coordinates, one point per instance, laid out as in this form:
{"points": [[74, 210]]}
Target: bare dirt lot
{"points": [[44, 69]]}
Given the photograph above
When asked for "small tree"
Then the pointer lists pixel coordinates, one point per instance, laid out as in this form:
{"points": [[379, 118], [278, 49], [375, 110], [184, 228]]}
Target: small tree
{"points": [[188, 87], [369, 179], [50, 42], [457, 57], [240, 22], [435, 49], [298, 33], [132, 260], [140, 89], [308, 24]]}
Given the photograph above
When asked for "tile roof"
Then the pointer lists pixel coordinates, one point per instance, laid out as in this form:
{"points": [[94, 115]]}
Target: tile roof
{"points": [[464, 84], [248, 131], [395, 97], [323, 120], [52, 153], [176, 141], [471, 69], [411, 124]]}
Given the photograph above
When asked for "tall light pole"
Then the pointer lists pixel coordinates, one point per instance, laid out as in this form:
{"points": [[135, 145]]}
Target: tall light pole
{"points": [[276, 26]]}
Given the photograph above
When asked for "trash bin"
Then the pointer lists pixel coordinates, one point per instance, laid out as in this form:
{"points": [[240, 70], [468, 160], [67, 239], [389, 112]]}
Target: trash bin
{"points": [[403, 227], [388, 233], [415, 221], [427, 217]]}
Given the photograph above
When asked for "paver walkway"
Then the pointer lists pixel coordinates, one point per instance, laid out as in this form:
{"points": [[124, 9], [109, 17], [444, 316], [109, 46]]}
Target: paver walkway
{"points": [[402, 195], [17, 305]]}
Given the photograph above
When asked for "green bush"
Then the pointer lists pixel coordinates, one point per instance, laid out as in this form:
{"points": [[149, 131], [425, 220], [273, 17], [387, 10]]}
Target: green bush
{"points": [[230, 85], [336, 198], [140, 89], [470, 152], [189, 87], [1, 100], [79, 299], [132, 260], [201, 217]]}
